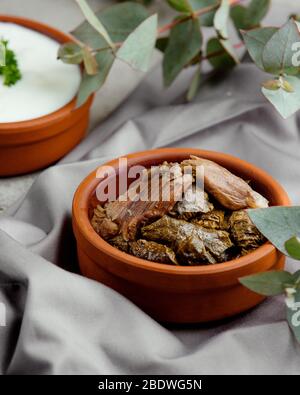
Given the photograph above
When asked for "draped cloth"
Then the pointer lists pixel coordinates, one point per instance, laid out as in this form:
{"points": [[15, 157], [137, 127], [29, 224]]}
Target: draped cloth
{"points": [[58, 322]]}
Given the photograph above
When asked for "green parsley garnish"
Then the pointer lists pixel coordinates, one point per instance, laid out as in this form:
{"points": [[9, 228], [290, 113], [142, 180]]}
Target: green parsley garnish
{"points": [[10, 72]]}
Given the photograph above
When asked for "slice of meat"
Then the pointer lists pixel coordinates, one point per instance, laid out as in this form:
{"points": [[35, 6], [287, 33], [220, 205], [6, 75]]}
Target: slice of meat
{"points": [[192, 243], [153, 251], [230, 191], [151, 197]]}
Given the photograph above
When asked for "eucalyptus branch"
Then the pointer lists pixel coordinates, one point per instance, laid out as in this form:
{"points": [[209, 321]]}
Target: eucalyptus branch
{"points": [[127, 32], [195, 14]]}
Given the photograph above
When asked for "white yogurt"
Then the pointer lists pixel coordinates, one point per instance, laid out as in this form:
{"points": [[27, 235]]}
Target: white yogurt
{"points": [[47, 84]]}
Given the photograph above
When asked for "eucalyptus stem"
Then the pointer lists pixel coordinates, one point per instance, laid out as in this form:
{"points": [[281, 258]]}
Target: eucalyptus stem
{"points": [[169, 26], [218, 53], [195, 14]]}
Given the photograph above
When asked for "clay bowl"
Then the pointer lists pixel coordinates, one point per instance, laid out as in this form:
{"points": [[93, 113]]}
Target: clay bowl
{"points": [[176, 293], [30, 145]]}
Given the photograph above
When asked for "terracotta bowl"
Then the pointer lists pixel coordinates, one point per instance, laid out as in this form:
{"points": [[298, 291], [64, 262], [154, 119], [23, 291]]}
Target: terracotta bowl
{"points": [[30, 145], [176, 293]]}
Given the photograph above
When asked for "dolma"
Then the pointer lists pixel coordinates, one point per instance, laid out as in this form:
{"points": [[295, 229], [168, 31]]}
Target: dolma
{"points": [[215, 219], [244, 232], [120, 243], [153, 251], [191, 242]]}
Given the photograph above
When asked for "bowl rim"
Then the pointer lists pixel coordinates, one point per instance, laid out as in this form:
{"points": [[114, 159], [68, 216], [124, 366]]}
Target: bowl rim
{"points": [[62, 112], [83, 225]]}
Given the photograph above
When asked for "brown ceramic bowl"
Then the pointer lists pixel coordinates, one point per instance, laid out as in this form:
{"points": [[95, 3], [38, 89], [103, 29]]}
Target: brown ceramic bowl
{"points": [[176, 293], [30, 145]]}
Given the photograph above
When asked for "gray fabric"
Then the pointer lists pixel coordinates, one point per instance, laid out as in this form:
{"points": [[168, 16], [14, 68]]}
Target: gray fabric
{"points": [[59, 322]]}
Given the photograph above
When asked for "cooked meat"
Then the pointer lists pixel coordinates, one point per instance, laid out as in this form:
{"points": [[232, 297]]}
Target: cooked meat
{"points": [[135, 208], [244, 232], [230, 191], [166, 217], [103, 225], [215, 219], [195, 201], [189, 240], [153, 251]]}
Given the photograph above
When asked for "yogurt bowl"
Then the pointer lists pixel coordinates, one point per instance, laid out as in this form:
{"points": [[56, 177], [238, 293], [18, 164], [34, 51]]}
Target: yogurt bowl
{"points": [[182, 294], [27, 145]]}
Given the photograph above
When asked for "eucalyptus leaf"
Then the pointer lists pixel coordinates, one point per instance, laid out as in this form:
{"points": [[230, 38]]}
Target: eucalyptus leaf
{"points": [[296, 277], [194, 85], [293, 316], [257, 10], [277, 224], [227, 46], [268, 283], [217, 55], [184, 44], [162, 43], [249, 17], [206, 19], [91, 83], [70, 53], [138, 47], [239, 15], [272, 85], [90, 62], [255, 41], [292, 247], [119, 20], [94, 21], [181, 5], [286, 103], [277, 56], [221, 19], [286, 86], [2, 53]]}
